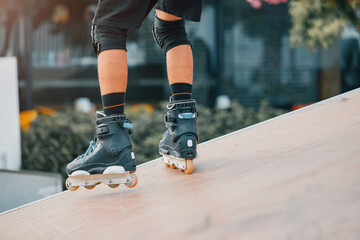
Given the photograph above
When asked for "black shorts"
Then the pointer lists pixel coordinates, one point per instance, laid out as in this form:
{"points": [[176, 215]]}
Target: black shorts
{"points": [[129, 14]]}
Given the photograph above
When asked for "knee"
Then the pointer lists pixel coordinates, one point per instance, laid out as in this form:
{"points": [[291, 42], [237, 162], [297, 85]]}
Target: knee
{"points": [[105, 38], [169, 34]]}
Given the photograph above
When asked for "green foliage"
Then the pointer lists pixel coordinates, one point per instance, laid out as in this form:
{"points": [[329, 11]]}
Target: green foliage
{"points": [[53, 141], [319, 23]]}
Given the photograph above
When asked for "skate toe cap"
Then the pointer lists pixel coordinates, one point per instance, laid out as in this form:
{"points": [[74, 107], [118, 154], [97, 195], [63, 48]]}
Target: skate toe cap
{"points": [[72, 166]]}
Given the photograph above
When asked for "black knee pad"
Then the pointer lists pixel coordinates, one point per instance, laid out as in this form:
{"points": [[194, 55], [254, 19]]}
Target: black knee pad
{"points": [[169, 34], [105, 38]]}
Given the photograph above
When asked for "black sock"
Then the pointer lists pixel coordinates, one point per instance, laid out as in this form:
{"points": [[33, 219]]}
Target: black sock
{"points": [[113, 103], [181, 91]]}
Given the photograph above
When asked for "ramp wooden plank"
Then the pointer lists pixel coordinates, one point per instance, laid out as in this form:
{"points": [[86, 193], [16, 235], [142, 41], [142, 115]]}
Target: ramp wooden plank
{"points": [[294, 177]]}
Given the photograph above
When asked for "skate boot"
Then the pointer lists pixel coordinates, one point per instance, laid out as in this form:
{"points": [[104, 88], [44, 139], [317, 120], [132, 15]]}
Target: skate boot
{"points": [[178, 145], [109, 158]]}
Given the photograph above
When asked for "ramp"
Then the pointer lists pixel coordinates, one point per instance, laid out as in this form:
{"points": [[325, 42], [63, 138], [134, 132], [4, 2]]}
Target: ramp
{"points": [[293, 177]]}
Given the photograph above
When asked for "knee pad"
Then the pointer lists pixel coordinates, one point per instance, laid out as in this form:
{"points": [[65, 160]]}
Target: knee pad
{"points": [[105, 38], [169, 34]]}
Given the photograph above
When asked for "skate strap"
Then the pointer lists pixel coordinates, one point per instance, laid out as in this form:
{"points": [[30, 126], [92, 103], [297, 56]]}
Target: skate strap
{"points": [[182, 104], [168, 118], [102, 130], [125, 123], [106, 119]]}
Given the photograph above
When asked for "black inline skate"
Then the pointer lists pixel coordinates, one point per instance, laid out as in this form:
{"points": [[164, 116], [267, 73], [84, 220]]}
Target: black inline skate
{"points": [[109, 158], [178, 145]]}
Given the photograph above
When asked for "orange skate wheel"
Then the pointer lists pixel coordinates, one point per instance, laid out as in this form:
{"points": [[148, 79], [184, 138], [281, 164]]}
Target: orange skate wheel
{"points": [[181, 170], [173, 166], [71, 188], [114, 185], [189, 166], [134, 181], [166, 164], [89, 187]]}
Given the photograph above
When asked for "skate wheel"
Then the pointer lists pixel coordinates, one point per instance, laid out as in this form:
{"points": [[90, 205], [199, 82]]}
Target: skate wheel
{"points": [[181, 170], [167, 165], [71, 188], [114, 185], [173, 166], [89, 187], [189, 166], [133, 182]]}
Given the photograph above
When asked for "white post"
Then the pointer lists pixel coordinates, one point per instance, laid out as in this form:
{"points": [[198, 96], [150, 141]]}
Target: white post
{"points": [[10, 151]]}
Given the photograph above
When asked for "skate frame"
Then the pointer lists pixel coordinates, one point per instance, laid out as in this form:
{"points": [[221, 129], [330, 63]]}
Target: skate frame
{"points": [[178, 162], [94, 179]]}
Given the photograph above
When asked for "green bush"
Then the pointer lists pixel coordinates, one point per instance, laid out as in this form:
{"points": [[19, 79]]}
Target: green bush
{"points": [[53, 141]]}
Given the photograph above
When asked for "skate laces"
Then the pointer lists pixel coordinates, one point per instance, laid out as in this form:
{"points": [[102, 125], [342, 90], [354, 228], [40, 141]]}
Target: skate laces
{"points": [[165, 133], [90, 149]]}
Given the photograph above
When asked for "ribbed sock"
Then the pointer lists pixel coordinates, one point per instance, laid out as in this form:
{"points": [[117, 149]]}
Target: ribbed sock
{"points": [[113, 103], [181, 91]]}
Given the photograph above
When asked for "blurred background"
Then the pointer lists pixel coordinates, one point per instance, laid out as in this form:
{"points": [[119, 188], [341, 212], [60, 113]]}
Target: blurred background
{"points": [[253, 60]]}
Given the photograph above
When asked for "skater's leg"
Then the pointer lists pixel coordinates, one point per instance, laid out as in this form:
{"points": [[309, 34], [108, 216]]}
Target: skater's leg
{"points": [[110, 46], [109, 158], [171, 34], [178, 145], [111, 151], [179, 62], [113, 73]]}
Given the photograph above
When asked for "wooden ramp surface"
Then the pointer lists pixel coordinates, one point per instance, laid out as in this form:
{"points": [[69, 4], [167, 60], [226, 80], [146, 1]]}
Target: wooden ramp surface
{"points": [[293, 177]]}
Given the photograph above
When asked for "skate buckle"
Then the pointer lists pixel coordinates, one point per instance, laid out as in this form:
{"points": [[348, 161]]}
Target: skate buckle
{"points": [[102, 129], [168, 118]]}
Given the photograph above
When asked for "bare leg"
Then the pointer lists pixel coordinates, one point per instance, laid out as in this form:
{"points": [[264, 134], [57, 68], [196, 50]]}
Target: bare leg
{"points": [[113, 74], [113, 71]]}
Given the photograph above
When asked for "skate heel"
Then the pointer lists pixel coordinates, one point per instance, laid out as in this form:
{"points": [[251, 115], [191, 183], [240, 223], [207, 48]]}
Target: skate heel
{"points": [[127, 160], [187, 147], [182, 159], [178, 145]]}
